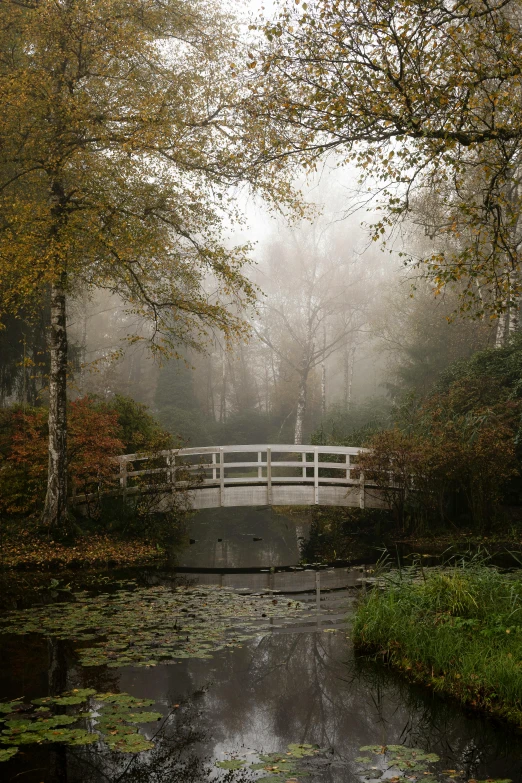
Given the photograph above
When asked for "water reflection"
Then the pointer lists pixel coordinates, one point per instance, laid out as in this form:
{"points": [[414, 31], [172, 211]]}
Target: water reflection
{"points": [[243, 538], [293, 685]]}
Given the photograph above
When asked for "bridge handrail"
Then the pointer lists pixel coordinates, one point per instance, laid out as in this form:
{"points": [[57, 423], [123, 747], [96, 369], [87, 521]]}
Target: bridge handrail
{"points": [[263, 468], [242, 449], [172, 472]]}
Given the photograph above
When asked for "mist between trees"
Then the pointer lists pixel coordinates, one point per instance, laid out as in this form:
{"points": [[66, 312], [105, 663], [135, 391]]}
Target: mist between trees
{"points": [[135, 156]]}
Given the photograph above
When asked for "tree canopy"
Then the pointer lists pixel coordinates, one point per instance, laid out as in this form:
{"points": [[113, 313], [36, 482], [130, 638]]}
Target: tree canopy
{"points": [[119, 140], [424, 95], [121, 137]]}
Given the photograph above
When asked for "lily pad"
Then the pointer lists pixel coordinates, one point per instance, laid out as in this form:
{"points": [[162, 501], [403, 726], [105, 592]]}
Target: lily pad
{"points": [[286, 767], [115, 718], [149, 625], [7, 753], [129, 743], [232, 764], [9, 706]]}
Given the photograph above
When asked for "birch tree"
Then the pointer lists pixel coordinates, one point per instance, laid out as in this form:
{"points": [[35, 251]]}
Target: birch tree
{"points": [[120, 137], [420, 95], [310, 308]]}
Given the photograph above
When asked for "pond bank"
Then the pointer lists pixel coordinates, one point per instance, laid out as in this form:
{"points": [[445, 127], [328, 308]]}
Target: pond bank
{"points": [[36, 553], [284, 699], [457, 631]]}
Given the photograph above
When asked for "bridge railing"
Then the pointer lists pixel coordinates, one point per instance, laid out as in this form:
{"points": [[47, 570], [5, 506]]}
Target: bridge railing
{"points": [[260, 464]]}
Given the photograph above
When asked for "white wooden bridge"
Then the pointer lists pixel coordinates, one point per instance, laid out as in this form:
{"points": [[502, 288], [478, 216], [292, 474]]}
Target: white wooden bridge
{"points": [[250, 475]]}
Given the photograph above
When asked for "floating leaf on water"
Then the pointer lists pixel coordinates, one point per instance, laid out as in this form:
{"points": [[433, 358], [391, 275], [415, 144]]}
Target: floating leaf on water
{"points": [[180, 623], [129, 743], [9, 706], [232, 764], [71, 736], [143, 717], [115, 722], [299, 751], [24, 738], [7, 753]]}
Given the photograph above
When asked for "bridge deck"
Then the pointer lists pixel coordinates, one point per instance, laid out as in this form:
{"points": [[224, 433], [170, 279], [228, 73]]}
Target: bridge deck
{"points": [[251, 475]]}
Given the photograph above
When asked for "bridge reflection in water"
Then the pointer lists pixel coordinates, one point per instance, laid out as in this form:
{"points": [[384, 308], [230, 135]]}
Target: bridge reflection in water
{"points": [[255, 475], [298, 580]]}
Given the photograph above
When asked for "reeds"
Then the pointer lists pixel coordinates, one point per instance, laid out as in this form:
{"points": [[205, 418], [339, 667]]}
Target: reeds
{"points": [[457, 629]]}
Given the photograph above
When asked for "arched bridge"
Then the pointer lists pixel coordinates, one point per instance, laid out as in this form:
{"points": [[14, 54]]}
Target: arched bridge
{"points": [[251, 475]]}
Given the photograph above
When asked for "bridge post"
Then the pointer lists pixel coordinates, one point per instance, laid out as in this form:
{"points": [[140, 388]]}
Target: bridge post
{"points": [[221, 477], [123, 478], [269, 476], [213, 468], [260, 468], [361, 490], [347, 460], [171, 471], [316, 476]]}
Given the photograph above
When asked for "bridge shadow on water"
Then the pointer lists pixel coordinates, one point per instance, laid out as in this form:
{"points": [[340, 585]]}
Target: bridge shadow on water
{"points": [[256, 537], [257, 549]]}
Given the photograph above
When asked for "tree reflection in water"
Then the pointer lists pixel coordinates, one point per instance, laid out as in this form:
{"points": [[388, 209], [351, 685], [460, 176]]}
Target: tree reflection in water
{"points": [[291, 686], [308, 687], [174, 759]]}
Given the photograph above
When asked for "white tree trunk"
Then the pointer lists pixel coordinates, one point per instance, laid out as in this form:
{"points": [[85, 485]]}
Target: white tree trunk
{"points": [[513, 317], [301, 409], [501, 331], [223, 400], [346, 374], [323, 390], [350, 380], [55, 509]]}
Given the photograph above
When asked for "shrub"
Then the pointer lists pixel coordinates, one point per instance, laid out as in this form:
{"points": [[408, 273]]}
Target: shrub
{"points": [[92, 443], [139, 430], [454, 460]]}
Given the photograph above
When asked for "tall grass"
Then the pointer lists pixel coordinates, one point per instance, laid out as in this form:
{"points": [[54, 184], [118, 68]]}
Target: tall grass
{"points": [[457, 630]]}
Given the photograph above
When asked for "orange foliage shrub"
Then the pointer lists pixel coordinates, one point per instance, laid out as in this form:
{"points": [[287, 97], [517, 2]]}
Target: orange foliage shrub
{"points": [[93, 442], [459, 454]]}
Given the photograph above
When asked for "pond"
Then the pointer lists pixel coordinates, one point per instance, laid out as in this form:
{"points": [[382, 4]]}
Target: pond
{"points": [[232, 685]]}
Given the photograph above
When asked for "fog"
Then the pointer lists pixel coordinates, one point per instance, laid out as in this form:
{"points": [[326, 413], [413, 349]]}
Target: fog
{"points": [[330, 333]]}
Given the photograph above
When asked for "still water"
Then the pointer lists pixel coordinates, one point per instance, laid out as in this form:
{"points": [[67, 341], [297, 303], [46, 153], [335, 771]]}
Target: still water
{"points": [[298, 682]]}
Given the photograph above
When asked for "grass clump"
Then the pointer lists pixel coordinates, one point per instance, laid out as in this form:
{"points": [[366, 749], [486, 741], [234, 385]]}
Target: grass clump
{"points": [[457, 630]]}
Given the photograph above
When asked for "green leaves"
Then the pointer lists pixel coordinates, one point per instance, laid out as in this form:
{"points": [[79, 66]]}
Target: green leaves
{"points": [[396, 759], [373, 79], [280, 766], [77, 697], [413, 763], [149, 626], [129, 743], [232, 764], [115, 716], [7, 753]]}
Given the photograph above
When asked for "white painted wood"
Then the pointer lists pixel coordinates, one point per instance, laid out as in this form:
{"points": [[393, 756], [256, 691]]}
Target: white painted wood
{"points": [[316, 476], [361, 491], [221, 477], [219, 483], [278, 447], [269, 476]]}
